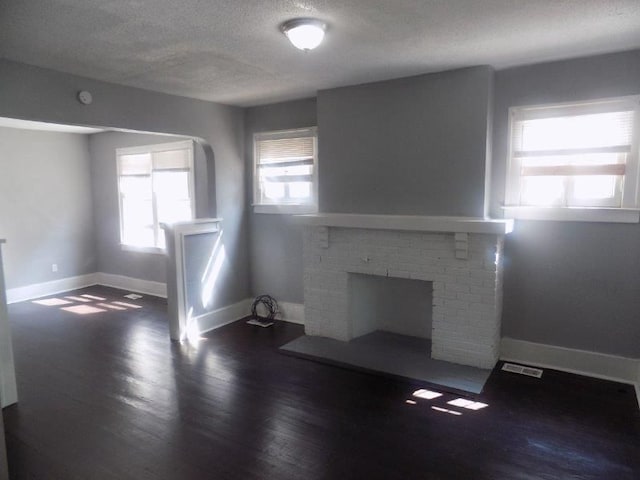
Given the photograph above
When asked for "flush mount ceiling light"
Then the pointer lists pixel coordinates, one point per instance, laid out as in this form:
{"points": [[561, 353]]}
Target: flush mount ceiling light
{"points": [[304, 33]]}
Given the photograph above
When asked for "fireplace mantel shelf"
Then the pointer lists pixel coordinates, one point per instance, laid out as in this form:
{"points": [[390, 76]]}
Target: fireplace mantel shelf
{"points": [[414, 223]]}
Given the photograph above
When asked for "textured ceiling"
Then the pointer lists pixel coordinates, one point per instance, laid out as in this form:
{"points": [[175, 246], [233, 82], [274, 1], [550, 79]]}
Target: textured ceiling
{"points": [[231, 51]]}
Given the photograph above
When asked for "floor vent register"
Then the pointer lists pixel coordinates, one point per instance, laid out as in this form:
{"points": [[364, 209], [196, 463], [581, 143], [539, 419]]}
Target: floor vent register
{"points": [[522, 370]]}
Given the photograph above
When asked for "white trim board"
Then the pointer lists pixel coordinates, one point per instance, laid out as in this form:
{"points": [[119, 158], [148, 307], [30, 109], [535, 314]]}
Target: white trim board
{"points": [[290, 312], [415, 223], [581, 362], [37, 290], [138, 285], [220, 317]]}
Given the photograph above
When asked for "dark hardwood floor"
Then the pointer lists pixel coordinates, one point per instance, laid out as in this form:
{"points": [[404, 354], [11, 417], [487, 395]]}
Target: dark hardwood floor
{"points": [[108, 396]]}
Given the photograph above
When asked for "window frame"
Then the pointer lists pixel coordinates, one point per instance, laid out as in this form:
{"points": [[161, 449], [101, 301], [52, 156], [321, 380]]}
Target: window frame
{"points": [[157, 228], [285, 208], [629, 209]]}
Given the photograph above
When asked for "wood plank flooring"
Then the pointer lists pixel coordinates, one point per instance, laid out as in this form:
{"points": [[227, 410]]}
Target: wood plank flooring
{"points": [[108, 396]]}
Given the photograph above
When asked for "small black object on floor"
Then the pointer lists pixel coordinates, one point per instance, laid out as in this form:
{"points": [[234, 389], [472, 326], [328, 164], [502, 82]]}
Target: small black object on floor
{"points": [[269, 305]]}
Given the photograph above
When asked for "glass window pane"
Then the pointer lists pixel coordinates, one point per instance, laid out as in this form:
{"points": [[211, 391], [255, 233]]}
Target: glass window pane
{"points": [[542, 190], [579, 131], [137, 222], [285, 171], [171, 185], [140, 237], [172, 196], [273, 190], [171, 211], [136, 187], [598, 187], [300, 190], [137, 212]]}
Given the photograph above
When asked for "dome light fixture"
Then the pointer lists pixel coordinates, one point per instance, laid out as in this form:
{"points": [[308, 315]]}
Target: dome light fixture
{"points": [[304, 33]]}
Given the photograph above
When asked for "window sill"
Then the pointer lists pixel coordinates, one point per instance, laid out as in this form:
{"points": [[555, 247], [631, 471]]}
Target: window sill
{"points": [[139, 249], [285, 209], [574, 214]]}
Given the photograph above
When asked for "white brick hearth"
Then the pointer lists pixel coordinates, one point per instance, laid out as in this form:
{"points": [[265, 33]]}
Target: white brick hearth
{"points": [[465, 269]]}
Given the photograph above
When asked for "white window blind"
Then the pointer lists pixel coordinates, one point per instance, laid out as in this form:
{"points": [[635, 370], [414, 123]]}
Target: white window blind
{"points": [[285, 168], [581, 155]]}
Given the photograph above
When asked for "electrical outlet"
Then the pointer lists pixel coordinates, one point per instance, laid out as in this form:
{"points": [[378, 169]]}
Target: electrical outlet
{"points": [[54, 267]]}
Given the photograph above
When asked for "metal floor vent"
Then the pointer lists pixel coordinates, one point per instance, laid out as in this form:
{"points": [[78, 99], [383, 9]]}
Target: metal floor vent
{"points": [[522, 370]]}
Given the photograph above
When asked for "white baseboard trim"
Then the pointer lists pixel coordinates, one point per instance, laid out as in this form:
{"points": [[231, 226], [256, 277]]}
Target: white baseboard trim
{"points": [[37, 290], [222, 316], [291, 312], [581, 362], [137, 285]]}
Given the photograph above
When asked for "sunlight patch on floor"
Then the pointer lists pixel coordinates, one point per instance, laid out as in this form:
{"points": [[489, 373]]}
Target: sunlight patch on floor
{"points": [[52, 302], [83, 309], [86, 304]]}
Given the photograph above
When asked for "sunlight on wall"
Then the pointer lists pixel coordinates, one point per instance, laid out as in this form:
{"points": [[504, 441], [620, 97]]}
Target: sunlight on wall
{"points": [[212, 272]]}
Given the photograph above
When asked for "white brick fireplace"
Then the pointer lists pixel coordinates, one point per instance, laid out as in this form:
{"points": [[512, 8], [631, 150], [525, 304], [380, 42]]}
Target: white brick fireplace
{"points": [[460, 256]]}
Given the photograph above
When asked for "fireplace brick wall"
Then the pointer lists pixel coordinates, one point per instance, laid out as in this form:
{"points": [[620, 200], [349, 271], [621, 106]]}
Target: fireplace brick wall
{"points": [[465, 269]]}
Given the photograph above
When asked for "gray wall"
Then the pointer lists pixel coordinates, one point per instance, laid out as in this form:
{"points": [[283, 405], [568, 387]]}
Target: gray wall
{"points": [[410, 146], [575, 285], [110, 256], [33, 93], [569, 284], [275, 243], [45, 206]]}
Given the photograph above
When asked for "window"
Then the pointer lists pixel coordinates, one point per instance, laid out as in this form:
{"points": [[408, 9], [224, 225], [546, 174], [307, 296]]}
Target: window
{"points": [[284, 177], [574, 161], [155, 185]]}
